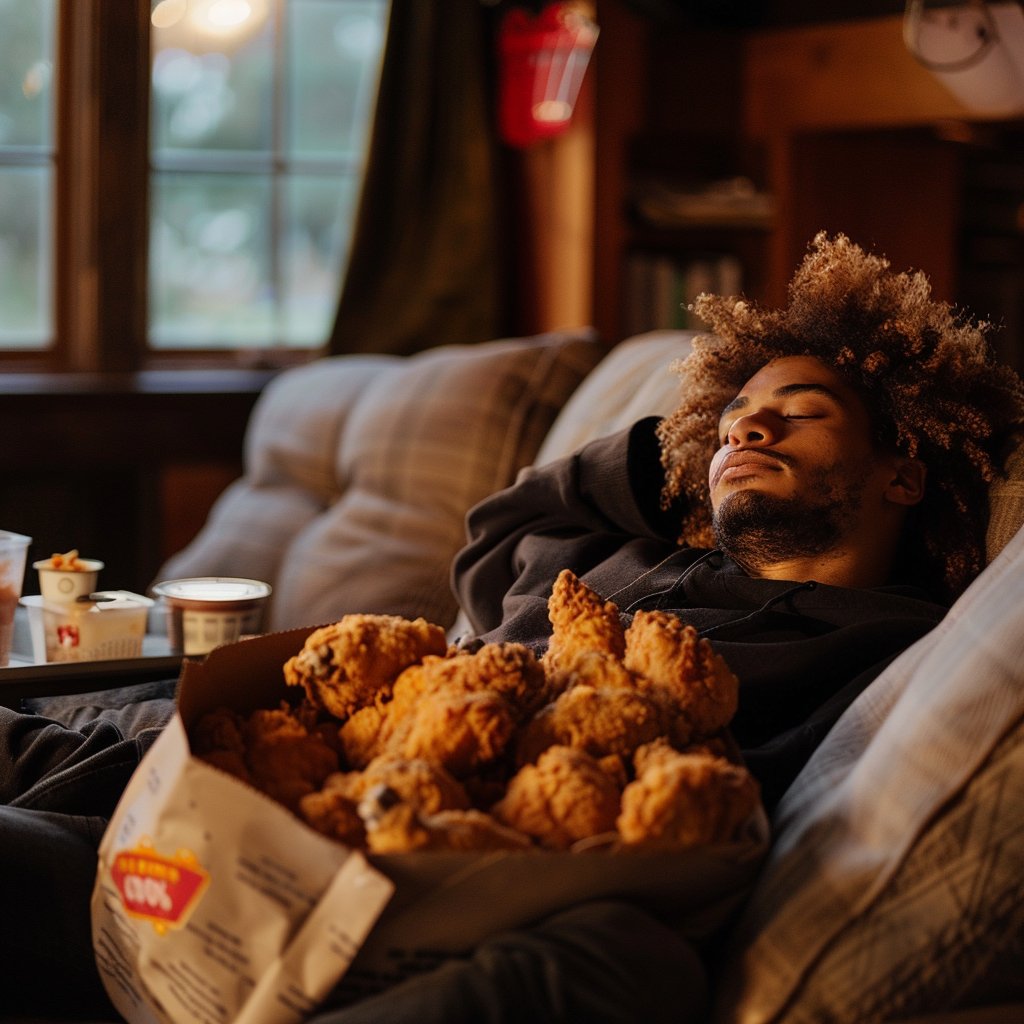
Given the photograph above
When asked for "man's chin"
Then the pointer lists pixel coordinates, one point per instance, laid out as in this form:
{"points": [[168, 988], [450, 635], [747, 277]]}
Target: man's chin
{"points": [[757, 528]]}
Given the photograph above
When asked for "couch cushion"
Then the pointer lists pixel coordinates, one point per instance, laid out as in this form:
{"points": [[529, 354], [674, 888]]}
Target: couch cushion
{"points": [[293, 434], [1006, 505], [633, 381], [430, 436], [291, 446], [894, 884]]}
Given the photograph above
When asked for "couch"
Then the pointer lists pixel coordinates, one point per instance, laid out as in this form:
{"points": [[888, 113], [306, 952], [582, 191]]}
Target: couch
{"points": [[895, 887]]}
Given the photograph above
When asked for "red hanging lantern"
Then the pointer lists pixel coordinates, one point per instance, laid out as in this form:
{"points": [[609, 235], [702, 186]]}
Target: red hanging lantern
{"points": [[542, 62]]}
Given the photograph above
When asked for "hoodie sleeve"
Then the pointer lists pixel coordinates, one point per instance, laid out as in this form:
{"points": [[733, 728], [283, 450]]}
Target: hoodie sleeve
{"points": [[573, 513]]}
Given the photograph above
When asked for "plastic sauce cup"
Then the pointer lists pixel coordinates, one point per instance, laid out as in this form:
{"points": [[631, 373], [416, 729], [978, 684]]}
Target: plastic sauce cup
{"points": [[208, 611], [13, 549]]}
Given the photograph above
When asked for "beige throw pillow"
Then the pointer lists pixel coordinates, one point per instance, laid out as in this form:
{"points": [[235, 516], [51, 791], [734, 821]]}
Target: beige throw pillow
{"points": [[430, 436]]}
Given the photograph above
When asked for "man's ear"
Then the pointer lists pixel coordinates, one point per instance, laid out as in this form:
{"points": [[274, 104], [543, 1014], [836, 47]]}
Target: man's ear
{"points": [[907, 484]]}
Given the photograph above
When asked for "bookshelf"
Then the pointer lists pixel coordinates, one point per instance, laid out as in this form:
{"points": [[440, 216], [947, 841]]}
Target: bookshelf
{"points": [[835, 122]]}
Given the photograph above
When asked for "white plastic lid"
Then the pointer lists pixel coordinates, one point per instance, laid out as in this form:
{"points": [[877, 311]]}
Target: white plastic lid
{"points": [[213, 588], [122, 599]]}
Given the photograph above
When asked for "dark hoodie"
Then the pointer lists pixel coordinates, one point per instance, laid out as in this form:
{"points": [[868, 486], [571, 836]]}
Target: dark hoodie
{"points": [[802, 651]]}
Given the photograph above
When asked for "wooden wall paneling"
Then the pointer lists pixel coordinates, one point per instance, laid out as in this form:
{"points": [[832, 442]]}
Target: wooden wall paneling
{"points": [[187, 493], [850, 75], [818, 96], [124, 473], [558, 182], [892, 192], [122, 182], [620, 96]]}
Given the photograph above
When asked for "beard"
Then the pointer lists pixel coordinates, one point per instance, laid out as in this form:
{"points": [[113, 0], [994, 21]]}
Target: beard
{"points": [[758, 530]]}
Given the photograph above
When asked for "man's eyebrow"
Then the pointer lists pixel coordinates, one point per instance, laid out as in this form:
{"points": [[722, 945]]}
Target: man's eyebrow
{"points": [[787, 389], [796, 389], [737, 403]]}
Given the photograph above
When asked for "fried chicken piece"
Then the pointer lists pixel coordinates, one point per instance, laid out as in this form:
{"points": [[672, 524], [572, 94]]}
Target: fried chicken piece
{"points": [[582, 623], [507, 670], [285, 761], [600, 720], [362, 736], [346, 666], [332, 811], [217, 740], [424, 787], [593, 669], [613, 765], [510, 670], [565, 797], [401, 830], [668, 656], [684, 800], [462, 732]]}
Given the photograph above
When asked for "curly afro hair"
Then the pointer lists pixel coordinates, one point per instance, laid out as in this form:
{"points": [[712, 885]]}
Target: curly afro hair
{"points": [[925, 372]]}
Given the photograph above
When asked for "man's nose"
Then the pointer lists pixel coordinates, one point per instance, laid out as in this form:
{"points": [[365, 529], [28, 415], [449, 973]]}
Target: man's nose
{"points": [[752, 429]]}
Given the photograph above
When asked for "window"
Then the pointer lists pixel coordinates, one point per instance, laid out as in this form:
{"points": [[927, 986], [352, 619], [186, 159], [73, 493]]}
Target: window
{"points": [[260, 118], [27, 152], [258, 124]]}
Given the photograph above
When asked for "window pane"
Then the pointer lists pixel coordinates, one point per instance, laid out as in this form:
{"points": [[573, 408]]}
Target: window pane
{"points": [[334, 52], [261, 115], [315, 234], [26, 71], [211, 279], [25, 317], [213, 83]]}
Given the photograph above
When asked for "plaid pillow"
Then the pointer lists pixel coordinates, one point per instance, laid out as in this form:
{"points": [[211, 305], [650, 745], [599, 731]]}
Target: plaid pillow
{"points": [[429, 437], [894, 886]]}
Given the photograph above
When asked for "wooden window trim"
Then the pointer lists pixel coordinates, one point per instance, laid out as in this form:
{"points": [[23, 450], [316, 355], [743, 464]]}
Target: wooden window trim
{"points": [[101, 206]]}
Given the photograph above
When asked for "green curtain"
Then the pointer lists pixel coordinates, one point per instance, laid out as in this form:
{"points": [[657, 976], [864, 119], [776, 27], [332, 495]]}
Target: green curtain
{"points": [[423, 269]]}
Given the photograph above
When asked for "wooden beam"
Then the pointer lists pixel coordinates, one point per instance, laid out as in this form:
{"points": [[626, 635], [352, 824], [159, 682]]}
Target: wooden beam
{"points": [[841, 76]]}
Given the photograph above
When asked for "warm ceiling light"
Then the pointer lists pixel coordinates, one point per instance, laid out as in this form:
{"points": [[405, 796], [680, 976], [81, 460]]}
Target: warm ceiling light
{"points": [[167, 13], [228, 13]]}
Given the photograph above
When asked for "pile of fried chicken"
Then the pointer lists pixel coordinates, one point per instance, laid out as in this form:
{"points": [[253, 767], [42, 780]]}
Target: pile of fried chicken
{"points": [[616, 734]]}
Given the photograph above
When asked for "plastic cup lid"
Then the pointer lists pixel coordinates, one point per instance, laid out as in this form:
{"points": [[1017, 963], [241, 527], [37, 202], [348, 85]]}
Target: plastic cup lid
{"points": [[213, 588]]}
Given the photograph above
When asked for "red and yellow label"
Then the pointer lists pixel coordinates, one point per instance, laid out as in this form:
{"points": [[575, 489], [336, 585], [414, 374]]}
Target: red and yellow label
{"points": [[161, 890]]}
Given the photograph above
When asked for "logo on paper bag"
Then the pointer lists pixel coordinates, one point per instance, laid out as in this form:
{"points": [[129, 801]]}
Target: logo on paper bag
{"points": [[161, 890]]}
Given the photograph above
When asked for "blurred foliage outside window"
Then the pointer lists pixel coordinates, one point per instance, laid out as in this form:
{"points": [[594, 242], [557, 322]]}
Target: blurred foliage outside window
{"points": [[27, 153], [260, 119]]}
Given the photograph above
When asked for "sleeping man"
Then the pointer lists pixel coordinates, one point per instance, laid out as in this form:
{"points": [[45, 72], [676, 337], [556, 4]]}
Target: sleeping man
{"points": [[812, 508]]}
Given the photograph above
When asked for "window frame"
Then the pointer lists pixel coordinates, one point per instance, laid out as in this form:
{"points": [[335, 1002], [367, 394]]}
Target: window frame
{"points": [[100, 233]]}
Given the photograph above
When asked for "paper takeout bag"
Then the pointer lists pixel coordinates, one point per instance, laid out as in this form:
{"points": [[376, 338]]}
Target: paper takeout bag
{"points": [[214, 904]]}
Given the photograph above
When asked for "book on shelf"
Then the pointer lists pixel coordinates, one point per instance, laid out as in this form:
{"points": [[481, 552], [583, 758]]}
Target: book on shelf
{"points": [[659, 288], [730, 203]]}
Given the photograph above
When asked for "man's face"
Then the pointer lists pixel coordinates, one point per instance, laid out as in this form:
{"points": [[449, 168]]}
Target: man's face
{"points": [[795, 464]]}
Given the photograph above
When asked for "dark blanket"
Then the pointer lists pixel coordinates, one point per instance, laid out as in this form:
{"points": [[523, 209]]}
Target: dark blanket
{"points": [[802, 651]]}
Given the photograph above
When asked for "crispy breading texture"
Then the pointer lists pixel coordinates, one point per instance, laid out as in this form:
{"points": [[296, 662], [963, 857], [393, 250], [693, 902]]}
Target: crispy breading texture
{"points": [[582, 623], [350, 664], [285, 761], [217, 740], [402, 830], [462, 732], [424, 787], [600, 720], [423, 695], [565, 797], [332, 811], [668, 655], [683, 800], [510, 670]]}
